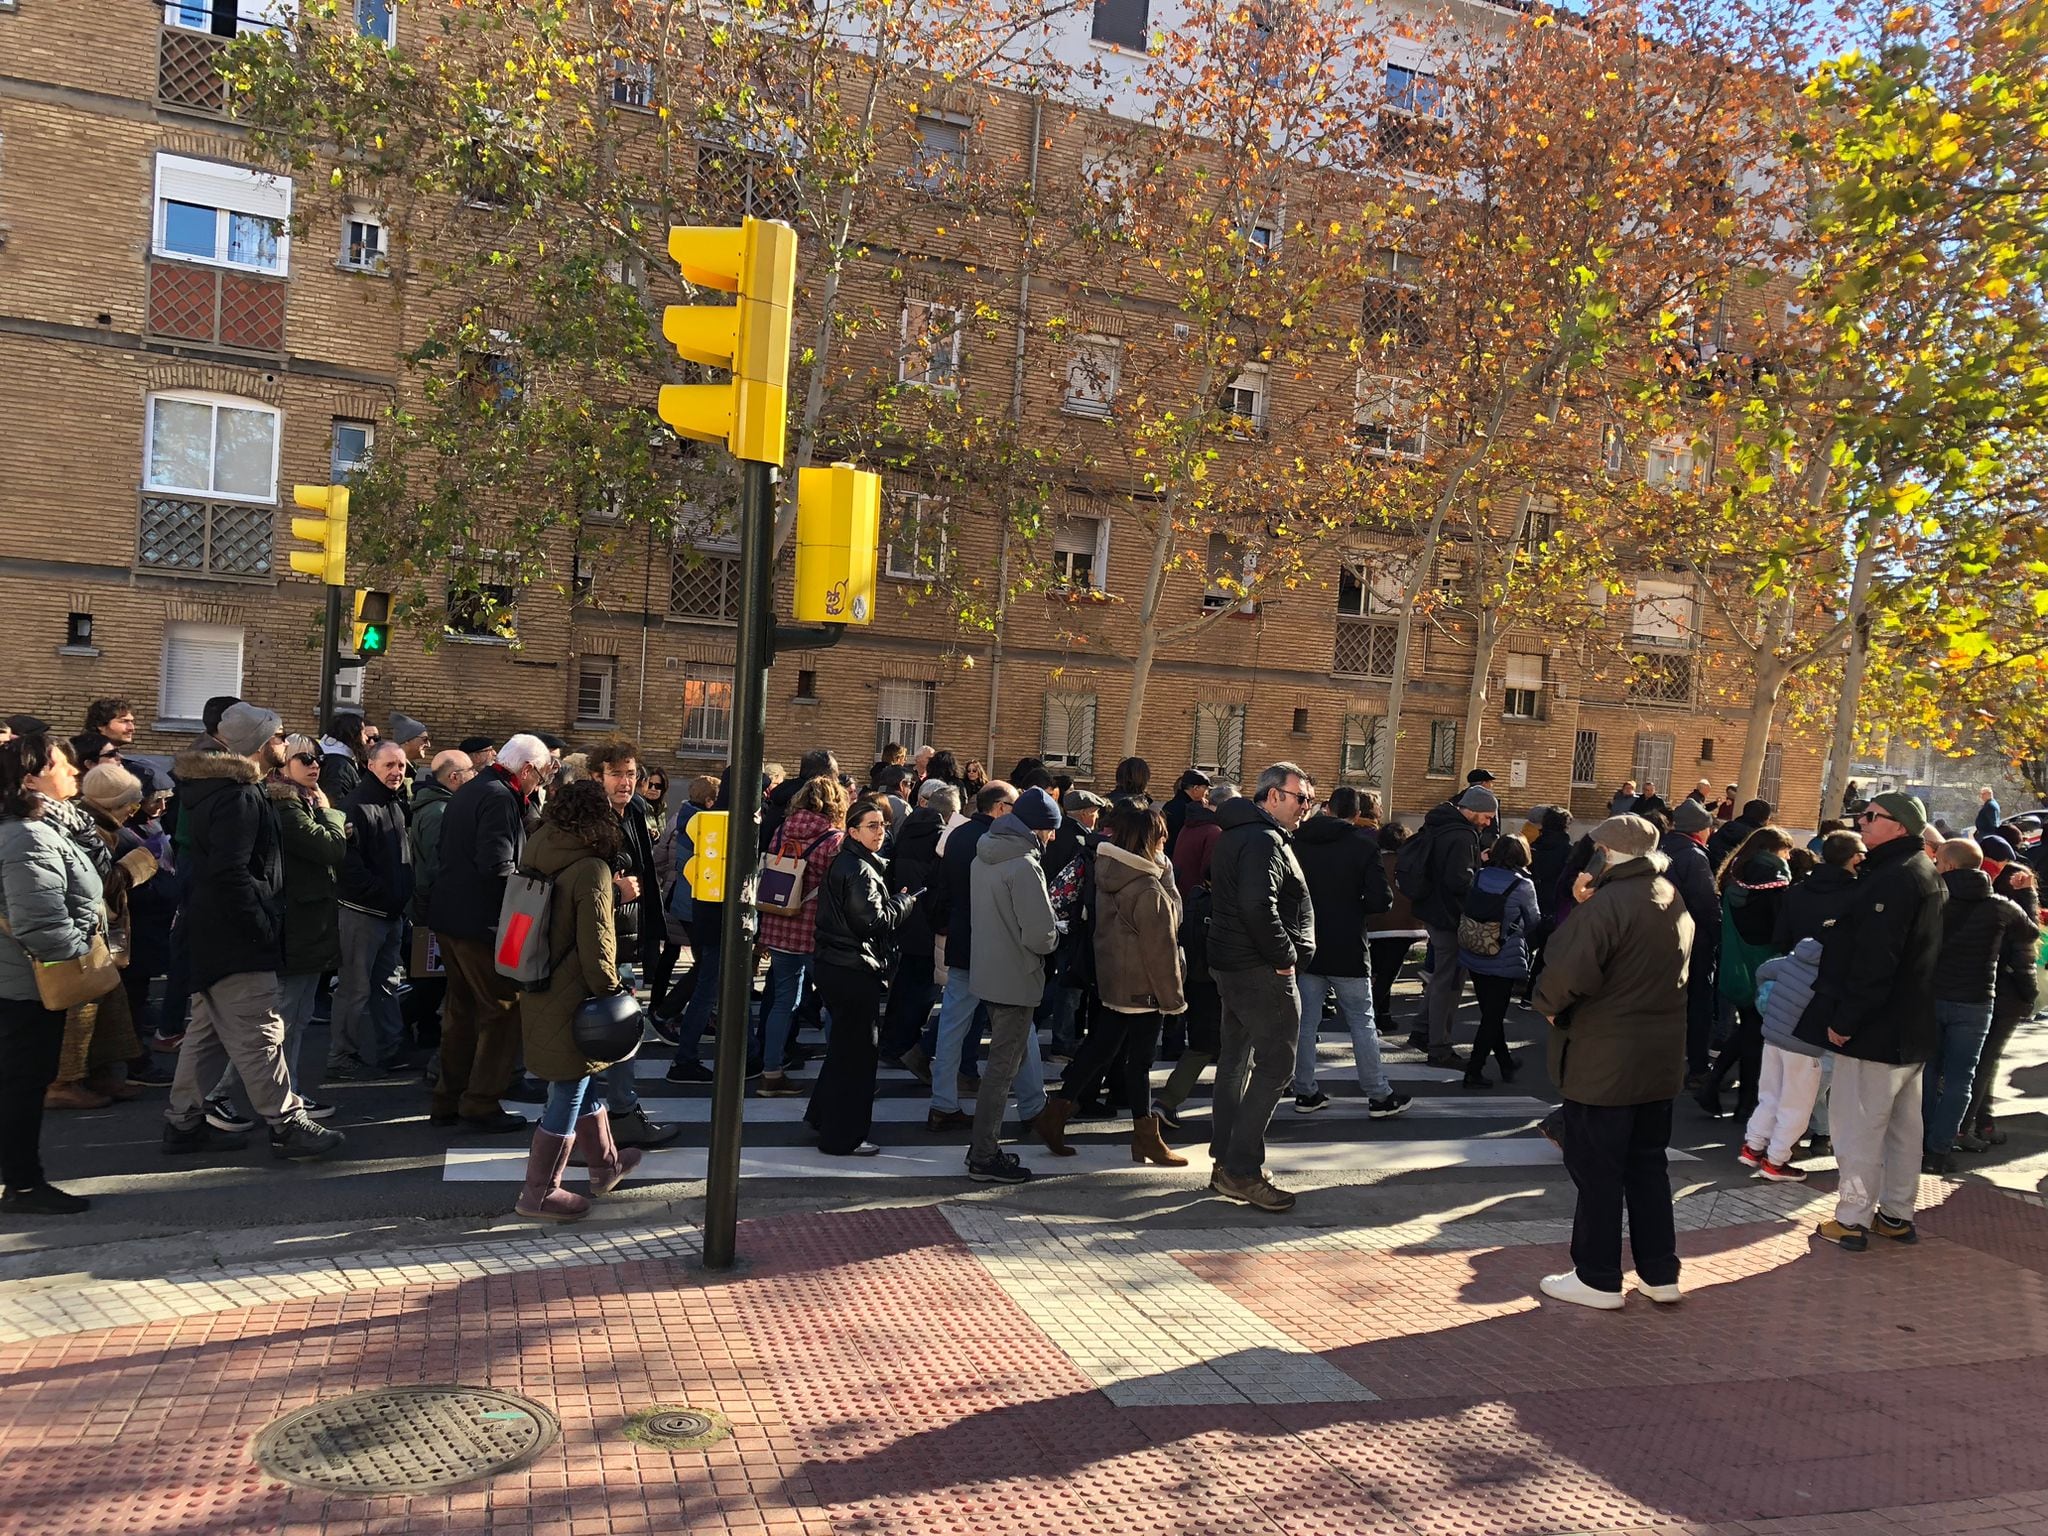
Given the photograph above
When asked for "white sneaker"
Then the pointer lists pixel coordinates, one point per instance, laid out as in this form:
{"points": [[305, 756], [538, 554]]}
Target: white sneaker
{"points": [[1569, 1287], [1663, 1295]]}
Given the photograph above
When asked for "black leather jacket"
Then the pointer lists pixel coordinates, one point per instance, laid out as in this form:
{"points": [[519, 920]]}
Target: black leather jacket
{"points": [[1260, 916], [857, 916]]}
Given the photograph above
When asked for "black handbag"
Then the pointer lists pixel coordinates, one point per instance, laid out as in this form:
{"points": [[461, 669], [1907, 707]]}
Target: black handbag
{"points": [[609, 1028]]}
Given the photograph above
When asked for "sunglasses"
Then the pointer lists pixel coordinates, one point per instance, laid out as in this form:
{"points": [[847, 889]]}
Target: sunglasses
{"points": [[309, 759], [1874, 815]]}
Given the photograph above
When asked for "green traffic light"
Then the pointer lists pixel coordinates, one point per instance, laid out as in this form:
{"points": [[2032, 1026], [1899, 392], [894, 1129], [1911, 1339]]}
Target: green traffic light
{"points": [[374, 636]]}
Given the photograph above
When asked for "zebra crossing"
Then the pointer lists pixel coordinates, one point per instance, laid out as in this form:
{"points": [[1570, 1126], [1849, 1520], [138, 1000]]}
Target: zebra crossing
{"points": [[1446, 1126]]}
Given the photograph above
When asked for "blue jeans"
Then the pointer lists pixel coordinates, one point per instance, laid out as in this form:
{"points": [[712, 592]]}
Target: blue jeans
{"points": [[1060, 1010], [621, 1094], [786, 973], [1945, 1087], [696, 1015], [959, 1010], [566, 1102], [366, 1030], [1354, 1010]]}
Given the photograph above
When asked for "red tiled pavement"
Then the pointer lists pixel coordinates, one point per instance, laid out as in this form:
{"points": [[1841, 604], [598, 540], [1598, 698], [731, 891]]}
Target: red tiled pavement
{"points": [[879, 1382]]}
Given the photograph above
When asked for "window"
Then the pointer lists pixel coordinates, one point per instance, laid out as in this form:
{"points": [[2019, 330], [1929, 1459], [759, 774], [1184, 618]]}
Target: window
{"points": [[628, 271], [376, 19], [1121, 23], [903, 714], [632, 83], [1443, 749], [1370, 598], [349, 455], [212, 445], [1539, 525], [938, 162], [223, 18], [363, 247], [1662, 614], [596, 680], [1092, 376], [1368, 589], [1067, 737], [1585, 759], [1363, 756], [1109, 178], [1300, 726], [1522, 698], [481, 610], [916, 548], [1670, 465], [1080, 553], [1393, 315], [223, 215], [1219, 741], [930, 357], [78, 632], [1411, 113], [1390, 421], [490, 379], [1412, 91], [1706, 749], [201, 661], [1231, 568], [704, 584], [734, 180], [1262, 236], [1244, 401], [1768, 785], [707, 708], [1653, 759], [1613, 449], [806, 683]]}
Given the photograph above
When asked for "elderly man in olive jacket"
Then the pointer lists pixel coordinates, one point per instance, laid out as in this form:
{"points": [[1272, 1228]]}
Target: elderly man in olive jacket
{"points": [[1614, 990]]}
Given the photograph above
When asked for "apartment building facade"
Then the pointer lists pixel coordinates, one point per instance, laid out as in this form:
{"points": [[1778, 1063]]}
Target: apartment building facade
{"points": [[190, 334]]}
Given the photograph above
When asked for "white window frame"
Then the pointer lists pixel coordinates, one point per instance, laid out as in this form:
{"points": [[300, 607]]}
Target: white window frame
{"points": [[605, 671], [1382, 584], [709, 676], [1382, 397], [931, 339], [1251, 385], [1262, 235], [1613, 449], [390, 36], [1443, 750], [1226, 728], [1109, 178], [1670, 464], [915, 514], [1068, 539], [1371, 740], [227, 191], [1435, 110], [197, 15], [1654, 758], [636, 75], [178, 630], [1215, 596], [1093, 372], [1144, 29], [340, 470], [942, 172], [1056, 748], [1661, 614], [218, 403], [348, 260], [908, 731], [1522, 686]]}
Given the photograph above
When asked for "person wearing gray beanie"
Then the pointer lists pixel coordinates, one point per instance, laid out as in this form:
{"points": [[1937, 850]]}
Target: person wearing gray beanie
{"points": [[247, 728]]}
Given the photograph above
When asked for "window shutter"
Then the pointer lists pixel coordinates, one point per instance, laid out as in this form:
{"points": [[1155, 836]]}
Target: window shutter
{"points": [[212, 184], [200, 662], [1524, 671]]}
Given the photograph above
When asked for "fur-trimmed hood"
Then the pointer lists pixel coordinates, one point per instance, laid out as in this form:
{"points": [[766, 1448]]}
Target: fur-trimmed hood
{"points": [[193, 767]]}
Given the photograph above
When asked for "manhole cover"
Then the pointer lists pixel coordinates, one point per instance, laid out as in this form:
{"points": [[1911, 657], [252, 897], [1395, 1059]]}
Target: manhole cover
{"points": [[405, 1439], [677, 1429]]}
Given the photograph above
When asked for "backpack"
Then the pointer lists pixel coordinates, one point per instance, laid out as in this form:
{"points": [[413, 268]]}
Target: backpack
{"points": [[1479, 927], [521, 954], [1411, 866]]}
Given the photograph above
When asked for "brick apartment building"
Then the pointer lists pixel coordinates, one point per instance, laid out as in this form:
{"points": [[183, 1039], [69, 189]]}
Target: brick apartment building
{"points": [[190, 336]]}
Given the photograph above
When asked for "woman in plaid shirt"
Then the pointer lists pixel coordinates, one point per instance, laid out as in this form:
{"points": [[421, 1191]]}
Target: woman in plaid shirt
{"points": [[812, 831]]}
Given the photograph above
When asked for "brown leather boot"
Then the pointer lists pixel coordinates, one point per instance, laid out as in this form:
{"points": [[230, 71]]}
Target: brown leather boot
{"points": [[607, 1162], [1148, 1146], [542, 1197], [73, 1096], [1051, 1125]]}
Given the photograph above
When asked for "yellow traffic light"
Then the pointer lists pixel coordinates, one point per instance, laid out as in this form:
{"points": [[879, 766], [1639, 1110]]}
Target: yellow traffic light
{"points": [[750, 337], [328, 532], [705, 867], [838, 522]]}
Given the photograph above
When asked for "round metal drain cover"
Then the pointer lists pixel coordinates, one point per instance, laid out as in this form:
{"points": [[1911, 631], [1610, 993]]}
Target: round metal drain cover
{"points": [[405, 1439], [677, 1429]]}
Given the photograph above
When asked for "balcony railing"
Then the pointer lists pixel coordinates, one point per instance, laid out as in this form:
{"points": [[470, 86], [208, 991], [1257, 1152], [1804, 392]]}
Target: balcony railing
{"points": [[1365, 647], [704, 587], [216, 306], [205, 538], [188, 71], [1661, 677]]}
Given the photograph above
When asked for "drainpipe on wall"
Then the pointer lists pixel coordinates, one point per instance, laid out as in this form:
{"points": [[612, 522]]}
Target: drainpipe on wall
{"points": [[646, 623], [995, 655]]}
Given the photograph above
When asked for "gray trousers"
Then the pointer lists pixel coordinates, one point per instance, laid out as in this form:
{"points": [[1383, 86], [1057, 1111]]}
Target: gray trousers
{"points": [[236, 1019], [297, 995], [1013, 1030], [1445, 986], [1260, 1030], [1875, 1122], [366, 1027]]}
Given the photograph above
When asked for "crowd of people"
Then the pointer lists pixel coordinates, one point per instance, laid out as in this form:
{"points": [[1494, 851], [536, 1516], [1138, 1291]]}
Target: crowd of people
{"points": [[501, 905]]}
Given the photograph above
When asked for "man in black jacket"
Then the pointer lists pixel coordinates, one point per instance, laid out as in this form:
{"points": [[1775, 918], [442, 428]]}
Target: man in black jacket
{"points": [[482, 833], [1873, 1005], [913, 866], [952, 916], [1261, 928], [1689, 872], [1816, 903], [1981, 932], [235, 868], [367, 1036], [639, 929], [1347, 883], [1451, 832], [1756, 814]]}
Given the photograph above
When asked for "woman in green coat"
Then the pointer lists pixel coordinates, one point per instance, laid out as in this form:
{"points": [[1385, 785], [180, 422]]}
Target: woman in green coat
{"points": [[578, 839]]}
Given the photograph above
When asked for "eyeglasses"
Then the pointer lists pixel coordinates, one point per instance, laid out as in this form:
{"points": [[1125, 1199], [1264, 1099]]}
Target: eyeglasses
{"points": [[307, 759], [1307, 798], [1872, 813]]}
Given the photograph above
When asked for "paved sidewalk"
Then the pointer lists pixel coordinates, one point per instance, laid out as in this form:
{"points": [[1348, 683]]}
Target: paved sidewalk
{"points": [[972, 1369]]}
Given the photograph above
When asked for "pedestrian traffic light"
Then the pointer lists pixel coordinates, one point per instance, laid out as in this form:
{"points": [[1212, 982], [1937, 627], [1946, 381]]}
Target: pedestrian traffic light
{"points": [[373, 623], [704, 869], [838, 520], [327, 532], [750, 336]]}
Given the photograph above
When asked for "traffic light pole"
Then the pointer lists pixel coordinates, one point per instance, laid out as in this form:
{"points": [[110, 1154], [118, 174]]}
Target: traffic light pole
{"points": [[330, 655], [742, 856]]}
